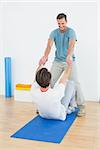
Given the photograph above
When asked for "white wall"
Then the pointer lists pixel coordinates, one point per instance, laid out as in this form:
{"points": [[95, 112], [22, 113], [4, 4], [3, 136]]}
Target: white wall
{"points": [[98, 65], [26, 27], [1, 52]]}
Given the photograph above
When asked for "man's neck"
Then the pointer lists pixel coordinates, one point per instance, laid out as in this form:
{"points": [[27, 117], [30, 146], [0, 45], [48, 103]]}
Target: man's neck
{"points": [[44, 89], [63, 30]]}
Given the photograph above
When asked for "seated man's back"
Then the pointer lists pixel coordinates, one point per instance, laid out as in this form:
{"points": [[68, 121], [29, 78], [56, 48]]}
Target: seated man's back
{"points": [[49, 102]]}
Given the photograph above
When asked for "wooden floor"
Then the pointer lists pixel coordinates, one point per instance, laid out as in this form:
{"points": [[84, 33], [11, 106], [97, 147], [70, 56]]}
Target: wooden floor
{"points": [[83, 135]]}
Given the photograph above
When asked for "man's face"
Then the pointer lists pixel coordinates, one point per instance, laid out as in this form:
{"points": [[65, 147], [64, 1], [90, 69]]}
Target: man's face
{"points": [[62, 24]]}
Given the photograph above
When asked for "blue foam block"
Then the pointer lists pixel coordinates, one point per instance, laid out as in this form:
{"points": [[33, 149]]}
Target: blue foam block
{"points": [[46, 130]]}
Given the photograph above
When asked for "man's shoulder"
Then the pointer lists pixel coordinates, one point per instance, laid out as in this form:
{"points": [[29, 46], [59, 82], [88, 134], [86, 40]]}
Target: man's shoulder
{"points": [[55, 30], [34, 86], [70, 29]]}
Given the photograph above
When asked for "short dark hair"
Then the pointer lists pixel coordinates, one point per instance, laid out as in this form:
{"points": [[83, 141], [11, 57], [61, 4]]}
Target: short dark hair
{"points": [[61, 15], [43, 77]]}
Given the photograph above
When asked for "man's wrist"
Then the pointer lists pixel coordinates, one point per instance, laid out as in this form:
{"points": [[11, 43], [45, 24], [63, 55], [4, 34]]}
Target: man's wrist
{"points": [[46, 57], [69, 54]]}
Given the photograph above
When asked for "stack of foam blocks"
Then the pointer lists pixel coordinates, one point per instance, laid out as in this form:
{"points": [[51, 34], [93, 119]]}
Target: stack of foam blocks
{"points": [[22, 92]]}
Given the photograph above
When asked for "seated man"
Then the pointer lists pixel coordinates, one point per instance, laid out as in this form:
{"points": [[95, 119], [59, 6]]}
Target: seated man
{"points": [[53, 103]]}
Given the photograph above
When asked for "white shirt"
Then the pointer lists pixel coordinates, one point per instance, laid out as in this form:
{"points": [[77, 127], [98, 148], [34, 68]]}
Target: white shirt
{"points": [[49, 102]]}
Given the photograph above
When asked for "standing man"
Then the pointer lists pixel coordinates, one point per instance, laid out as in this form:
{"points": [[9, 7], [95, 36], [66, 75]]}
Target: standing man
{"points": [[64, 39]]}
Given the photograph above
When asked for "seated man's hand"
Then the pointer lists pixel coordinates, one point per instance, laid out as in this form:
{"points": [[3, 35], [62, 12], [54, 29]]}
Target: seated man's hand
{"points": [[43, 60]]}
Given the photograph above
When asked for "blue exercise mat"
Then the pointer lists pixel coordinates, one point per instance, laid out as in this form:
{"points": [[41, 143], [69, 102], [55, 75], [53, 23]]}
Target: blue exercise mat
{"points": [[46, 130]]}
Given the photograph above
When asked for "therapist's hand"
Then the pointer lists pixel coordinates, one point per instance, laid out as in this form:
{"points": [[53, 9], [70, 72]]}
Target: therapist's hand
{"points": [[69, 60], [43, 60]]}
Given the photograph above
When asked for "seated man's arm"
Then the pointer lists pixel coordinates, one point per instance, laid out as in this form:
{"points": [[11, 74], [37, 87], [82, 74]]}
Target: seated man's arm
{"points": [[38, 68]]}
